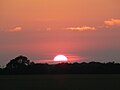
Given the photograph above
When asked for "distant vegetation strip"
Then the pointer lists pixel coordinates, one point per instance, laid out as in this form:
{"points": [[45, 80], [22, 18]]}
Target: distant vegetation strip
{"points": [[21, 65]]}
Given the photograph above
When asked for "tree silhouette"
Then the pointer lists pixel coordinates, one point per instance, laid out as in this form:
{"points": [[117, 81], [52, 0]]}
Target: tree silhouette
{"points": [[18, 62], [21, 65]]}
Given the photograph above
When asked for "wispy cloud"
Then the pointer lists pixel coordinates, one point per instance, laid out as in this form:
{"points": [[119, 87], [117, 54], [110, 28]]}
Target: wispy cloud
{"points": [[107, 24], [83, 28], [112, 22], [16, 29]]}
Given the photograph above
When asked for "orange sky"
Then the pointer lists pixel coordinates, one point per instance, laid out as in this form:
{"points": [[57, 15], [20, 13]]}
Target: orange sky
{"points": [[50, 27], [55, 12]]}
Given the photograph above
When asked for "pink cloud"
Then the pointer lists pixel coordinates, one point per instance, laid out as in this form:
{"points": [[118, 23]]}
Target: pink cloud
{"points": [[83, 28], [112, 22], [16, 29]]}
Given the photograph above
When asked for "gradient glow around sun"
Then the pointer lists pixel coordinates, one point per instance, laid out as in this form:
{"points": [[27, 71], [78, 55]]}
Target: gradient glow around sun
{"points": [[60, 58]]}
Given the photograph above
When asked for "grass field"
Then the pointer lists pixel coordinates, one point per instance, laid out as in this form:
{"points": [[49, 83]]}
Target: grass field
{"points": [[60, 82]]}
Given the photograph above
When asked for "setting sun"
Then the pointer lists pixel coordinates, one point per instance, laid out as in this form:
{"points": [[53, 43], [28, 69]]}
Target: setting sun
{"points": [[60, 58]]}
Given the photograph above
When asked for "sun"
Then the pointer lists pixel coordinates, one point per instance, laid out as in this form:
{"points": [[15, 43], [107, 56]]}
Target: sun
{"points": [[60, 58]]}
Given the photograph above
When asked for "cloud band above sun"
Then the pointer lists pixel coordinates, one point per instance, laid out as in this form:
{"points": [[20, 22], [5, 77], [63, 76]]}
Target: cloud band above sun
{"points": [[83, 28], [107, 23]]}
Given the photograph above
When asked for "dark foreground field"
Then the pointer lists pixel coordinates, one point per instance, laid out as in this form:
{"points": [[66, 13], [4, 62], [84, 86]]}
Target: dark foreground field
{"points": [[60, 82]]}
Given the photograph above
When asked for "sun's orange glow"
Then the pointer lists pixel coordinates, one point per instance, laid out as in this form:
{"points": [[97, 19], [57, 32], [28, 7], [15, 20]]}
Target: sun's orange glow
{"points": [[55, 31], [60, 58]]}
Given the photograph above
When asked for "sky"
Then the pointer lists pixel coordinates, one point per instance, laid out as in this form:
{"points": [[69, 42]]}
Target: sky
{"points": [[82, 30]]}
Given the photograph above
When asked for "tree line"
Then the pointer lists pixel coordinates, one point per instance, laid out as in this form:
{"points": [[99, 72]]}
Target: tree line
{"points": [[22, 65]]}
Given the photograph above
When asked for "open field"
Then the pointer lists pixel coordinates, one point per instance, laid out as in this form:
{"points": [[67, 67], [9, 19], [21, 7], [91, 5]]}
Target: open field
{"points": [[60, 82]]}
